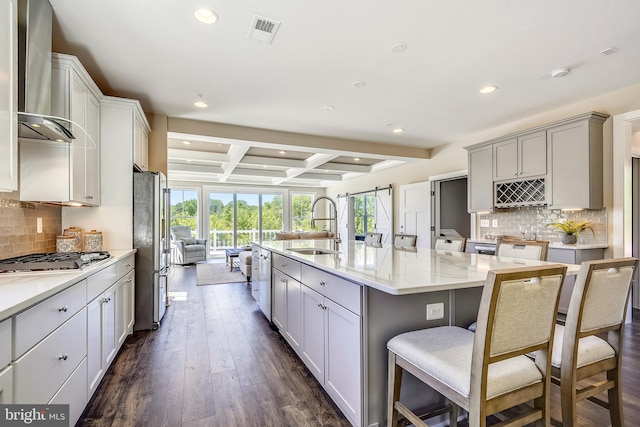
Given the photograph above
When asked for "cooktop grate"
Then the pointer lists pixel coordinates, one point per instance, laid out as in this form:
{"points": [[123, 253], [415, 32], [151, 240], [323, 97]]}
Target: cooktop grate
{"points": [[52, 261]]}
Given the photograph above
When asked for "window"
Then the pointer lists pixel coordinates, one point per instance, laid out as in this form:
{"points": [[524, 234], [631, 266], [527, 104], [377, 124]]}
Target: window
{"points": [[237, 218], [184, 208], [364, 211], [301, 211]]}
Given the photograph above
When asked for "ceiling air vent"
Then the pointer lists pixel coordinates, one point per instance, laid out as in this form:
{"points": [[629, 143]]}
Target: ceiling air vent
{"points": [[263, 29]]}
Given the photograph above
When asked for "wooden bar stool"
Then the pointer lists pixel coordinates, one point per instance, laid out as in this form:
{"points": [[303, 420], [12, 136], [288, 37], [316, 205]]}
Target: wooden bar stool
{"points": [[455, 244], [486, 372], [598, 306]]}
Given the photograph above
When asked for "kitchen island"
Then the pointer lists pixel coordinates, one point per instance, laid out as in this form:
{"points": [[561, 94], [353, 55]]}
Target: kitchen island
{"points": [[357, 298]]}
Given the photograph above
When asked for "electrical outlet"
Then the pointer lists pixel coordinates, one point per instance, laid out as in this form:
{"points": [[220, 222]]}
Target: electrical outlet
{"points": [[484, 223], [39, 225], [435, 311], [494, 223]]}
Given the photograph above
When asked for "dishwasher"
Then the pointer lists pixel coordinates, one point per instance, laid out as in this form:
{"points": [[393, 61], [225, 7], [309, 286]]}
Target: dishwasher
{"points": [[485, 248]]}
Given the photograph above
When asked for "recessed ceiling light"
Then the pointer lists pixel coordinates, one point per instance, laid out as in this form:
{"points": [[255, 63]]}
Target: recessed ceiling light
{"points": [[360, 83], [560, 72], [357, 159], [186, 142], [488, 89], [329, 107], [264, 166], [398, 48], [282, 152], [398, 130], [206, 16], [200, 102]]}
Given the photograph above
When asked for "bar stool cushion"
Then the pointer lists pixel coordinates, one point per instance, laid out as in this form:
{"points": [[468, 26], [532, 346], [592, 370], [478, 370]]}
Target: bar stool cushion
{"points": [[591, 349], [445, 353]]}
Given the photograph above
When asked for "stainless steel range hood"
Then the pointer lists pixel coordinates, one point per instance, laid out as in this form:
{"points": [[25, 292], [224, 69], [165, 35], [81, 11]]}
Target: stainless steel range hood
{"points": [[34, 74]]}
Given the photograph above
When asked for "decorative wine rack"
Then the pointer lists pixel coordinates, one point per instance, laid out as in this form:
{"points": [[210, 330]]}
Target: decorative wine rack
{"points": [[520, 193]]}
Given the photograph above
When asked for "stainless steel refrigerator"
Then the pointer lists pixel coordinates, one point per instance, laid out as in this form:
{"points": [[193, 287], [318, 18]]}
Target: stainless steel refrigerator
{"points": [[151, 239]]}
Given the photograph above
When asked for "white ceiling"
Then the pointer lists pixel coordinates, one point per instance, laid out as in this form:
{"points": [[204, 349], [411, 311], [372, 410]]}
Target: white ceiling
{"points": [[158, 53]]}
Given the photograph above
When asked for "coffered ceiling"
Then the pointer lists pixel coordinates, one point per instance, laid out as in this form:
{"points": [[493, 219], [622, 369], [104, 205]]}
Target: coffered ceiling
{"points": [[403, 74]]}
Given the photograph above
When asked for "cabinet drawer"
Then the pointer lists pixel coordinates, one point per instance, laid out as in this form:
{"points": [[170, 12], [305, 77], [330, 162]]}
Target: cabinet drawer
{"points": [[38, 321], [5, 343], [74, 393], [288, 266], [125, 265], [339, 290], [6, 385], [255, 251], [99, 282], [44, 368]]}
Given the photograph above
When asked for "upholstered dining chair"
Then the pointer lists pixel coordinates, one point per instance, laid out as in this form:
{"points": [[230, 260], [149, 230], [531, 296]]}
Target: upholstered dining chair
{"points": [[523, 249], [598, 306], [373, 238], [189, 250], [486, 372], [404, 240], [455, 244]]}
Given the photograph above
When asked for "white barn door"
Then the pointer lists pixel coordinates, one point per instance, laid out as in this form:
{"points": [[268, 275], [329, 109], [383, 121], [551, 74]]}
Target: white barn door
{"points": [[415, 211], [384, 214], [343, 218]]}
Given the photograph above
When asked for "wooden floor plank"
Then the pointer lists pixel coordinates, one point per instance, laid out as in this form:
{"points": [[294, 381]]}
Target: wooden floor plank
{"points": [[216, 361]]}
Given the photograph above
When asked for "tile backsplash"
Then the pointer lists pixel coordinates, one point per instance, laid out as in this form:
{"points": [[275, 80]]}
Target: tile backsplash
{"points": [[530, 220], [18, 226]]}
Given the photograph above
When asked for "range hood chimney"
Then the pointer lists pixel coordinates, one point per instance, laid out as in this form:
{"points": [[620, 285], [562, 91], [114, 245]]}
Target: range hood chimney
{"points": [[34, 74]]}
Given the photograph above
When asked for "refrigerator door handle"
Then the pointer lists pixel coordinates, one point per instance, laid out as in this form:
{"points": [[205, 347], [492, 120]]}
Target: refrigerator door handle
{"points": [[167, 220]]}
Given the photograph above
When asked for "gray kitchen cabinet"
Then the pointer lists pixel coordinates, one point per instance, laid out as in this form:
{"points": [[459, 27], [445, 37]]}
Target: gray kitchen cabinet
{"points": [[8, 95], [520, 157], [575, 157], [480, 179]]}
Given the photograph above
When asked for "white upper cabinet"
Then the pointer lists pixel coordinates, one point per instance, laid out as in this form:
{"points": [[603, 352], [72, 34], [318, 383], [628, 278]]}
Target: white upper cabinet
{"points": [[63, 172], [480, 183], [76, 97], [141, 143], [8, 95]]}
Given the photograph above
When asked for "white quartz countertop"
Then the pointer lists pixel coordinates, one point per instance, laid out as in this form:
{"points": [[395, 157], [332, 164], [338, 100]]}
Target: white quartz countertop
{"points": [[19, 291], [402, 271], [552, 245]]}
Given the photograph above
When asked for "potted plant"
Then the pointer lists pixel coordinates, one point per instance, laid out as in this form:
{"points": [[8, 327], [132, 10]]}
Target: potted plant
{"points": [[571, 229]]}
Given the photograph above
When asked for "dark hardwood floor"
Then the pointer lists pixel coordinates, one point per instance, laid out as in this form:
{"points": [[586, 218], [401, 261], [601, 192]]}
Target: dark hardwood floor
{"points": [[215, 361]]}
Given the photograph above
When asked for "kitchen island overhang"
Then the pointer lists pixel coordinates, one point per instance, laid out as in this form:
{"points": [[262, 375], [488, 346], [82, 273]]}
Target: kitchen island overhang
{"points": [[396, 285]]}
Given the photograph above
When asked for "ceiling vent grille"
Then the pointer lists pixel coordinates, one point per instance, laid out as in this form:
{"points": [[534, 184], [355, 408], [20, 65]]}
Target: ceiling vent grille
{"points": [[263, 29]]}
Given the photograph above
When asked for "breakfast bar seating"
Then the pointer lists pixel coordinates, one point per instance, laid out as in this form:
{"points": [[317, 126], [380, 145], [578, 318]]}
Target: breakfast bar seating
{"points": [[487, 372]]}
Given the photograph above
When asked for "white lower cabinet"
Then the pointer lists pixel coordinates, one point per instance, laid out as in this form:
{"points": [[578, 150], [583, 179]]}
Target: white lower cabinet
{"points": [[343, 378], [313, 332], [41, 371], [109, 321], [279, 313], [63, 346], [293, 332], [6, 385], [73, 393], [314, 319]]}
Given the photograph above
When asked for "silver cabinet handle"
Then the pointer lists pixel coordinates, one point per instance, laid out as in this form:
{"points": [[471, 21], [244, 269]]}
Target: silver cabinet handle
{"points": [[284, 265], [106, 300], [127, 265], [65, 308], [63, 357], [283, 280], [322, 283]]}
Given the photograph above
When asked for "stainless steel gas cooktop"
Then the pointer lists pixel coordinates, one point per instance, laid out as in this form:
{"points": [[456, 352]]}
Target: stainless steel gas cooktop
{"points": [[51, 261]]}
